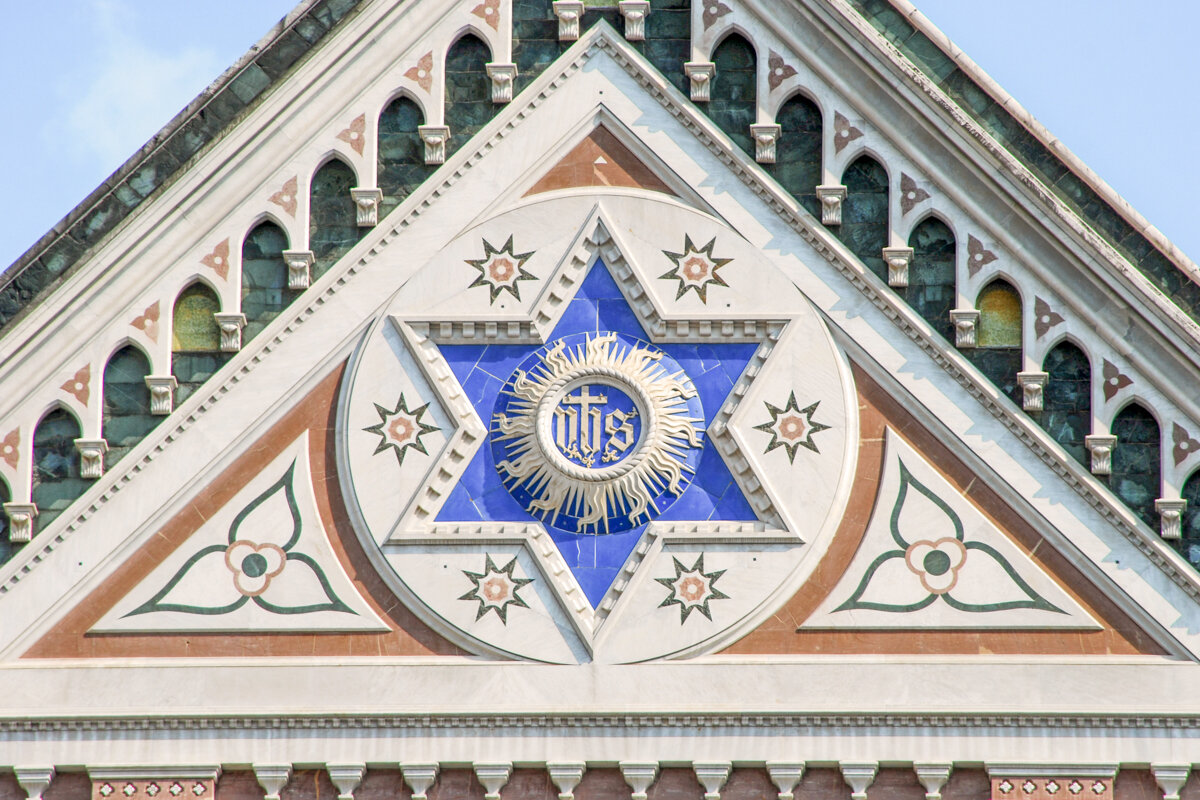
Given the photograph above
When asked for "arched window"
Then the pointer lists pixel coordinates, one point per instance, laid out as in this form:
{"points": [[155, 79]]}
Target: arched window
{"points": [[264, 278], [1189, 543], [402, 166], [7, 548], [734, 94], [1135, 461], [469, 103], [797, 164], [332, 222], [127, 417], [195, 339], [1067, 398], [997, 351], [864, 227], [931, 277], [56, 478]]}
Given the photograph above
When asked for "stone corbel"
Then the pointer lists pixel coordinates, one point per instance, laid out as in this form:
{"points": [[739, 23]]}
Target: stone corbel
{"points": [[700, 76], [366, 205], [897, 260], [566, 776], [503, 77], [162, 393], [419, 778], [786, 776], [34, 780], [966, 321], [1101, 447], [858, 777], [272, 778], [831, 197], [493, 776], [299, 266], [569, 13], [635, 13], [1170, 515], [435, 138], [1033, 386], [1170, 777], [712, 776], [20, 523], [231, 325], [640, 776], [933, 777], [91, 457], [766, 137], [346, 777]]}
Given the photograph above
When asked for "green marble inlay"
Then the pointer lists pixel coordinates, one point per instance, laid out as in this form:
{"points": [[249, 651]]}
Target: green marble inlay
{"points": [[864, 227], [332, 221], [734, 94], [1189, 544], [469, 103], [7, 548], [931, 275], [56, 478], [1067, 399], [193, 327], [1136, 461], [126, 416], [797, 164], [264, 278], [402, 166]]}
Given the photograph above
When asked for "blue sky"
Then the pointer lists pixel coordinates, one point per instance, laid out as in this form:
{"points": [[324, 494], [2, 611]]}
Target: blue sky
{"points": [[87, 82]]}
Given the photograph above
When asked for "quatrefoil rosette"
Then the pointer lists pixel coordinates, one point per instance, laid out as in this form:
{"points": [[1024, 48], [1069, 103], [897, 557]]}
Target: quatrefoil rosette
{"points": [[568, 445]]}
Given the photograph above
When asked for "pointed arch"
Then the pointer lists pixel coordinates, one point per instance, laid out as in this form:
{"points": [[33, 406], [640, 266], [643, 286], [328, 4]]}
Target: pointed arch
{"points": [[798, 159], [1136, 461], [195, 338], [1188, 544], [56, 465], [126, 412], [864, 227], [932, 274], [332, 221], [1067, 397], [265, 290], [734, 95], [469, 104], [401, 159], [998, 336]]}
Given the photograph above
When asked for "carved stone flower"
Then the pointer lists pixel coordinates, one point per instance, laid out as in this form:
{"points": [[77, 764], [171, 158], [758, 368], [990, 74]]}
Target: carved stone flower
{"points": [[936, 562]]}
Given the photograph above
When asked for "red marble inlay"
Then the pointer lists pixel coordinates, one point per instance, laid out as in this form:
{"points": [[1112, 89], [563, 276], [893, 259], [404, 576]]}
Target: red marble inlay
{"points": [[422, 73], [355, 134], [285, 198], [10, 451], [147, 323], [79, 385], [489, 12], [218, 259]]}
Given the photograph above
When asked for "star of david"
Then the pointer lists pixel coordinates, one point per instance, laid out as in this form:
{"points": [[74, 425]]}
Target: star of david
{"points": [[499, 270], [791, 427], [496, 589], [401, 429], [595, 424], [692, 589], [695, 269]]}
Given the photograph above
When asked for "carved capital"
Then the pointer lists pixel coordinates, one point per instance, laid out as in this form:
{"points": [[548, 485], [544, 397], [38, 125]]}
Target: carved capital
{"points": [[700, 75], [503, 77], [785, 775], [858, 777], [272, 778], [419, 778], [635, 13], [639, 775], [91, 457], [366, 205], [712, 776], [231, 325], [569, 13], [162, 393], [1170, 515], [965, 320], [765, 139], [933, 777], [493, 776], [566, 776], [1101, 447], [831, 197], [34, 780], [435, 138], [20, 522], [1032, 389], [299, 264], [897, 260], [346, 777], [1170, 777]]}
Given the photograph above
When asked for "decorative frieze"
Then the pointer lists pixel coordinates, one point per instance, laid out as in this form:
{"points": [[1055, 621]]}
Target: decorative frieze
{"points": [[299, 265], [700, 75], [712, 776], [831, 197], [493, 776], [272, 778], [1170, 777], [162, 393], [366, 206], [20, 521], [859, 776], [419, 778], [154, 783], [503, 77], [1101, 447], [786, 776], [346, 777], [91, 457], [569, 13], [231, 325], [933, 777], [640, 776], [435, 138], [766, 137], [1032, 386], [1052, 784], [1170, 515], [635, 13], [965, 320], [897, 260], [566, 776], [34, 780]]}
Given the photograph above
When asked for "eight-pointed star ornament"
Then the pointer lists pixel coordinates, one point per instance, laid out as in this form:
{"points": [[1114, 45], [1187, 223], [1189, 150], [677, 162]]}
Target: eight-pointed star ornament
{"points": [[401, 429], [695, 269], [692, 589], [499, 270], [792, 427], [496, 589]]}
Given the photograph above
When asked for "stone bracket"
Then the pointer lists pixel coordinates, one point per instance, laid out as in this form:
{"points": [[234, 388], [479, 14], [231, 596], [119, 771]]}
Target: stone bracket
{"points": [[272, 778], [766, 137], [700, 75], [503, 76], [1170, 513], [640, 776], [635, 13], [966, 321], [933, 777], [712, 776], [493, 776], [366, 206], [570, 15], [1032, 389], [91, 457], [20, 521], [231, 325], [162, 393], [34, 780], [1101, 447], [299, 266], [419, 778], [435, 138], [566, 776], [785, 775], [897, 260], [858, 777], [346, 777], [831, 197], [1170, 777]]}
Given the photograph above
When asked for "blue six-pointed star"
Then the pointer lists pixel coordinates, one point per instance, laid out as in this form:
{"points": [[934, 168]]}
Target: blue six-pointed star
{"points": [[707, 491]]}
